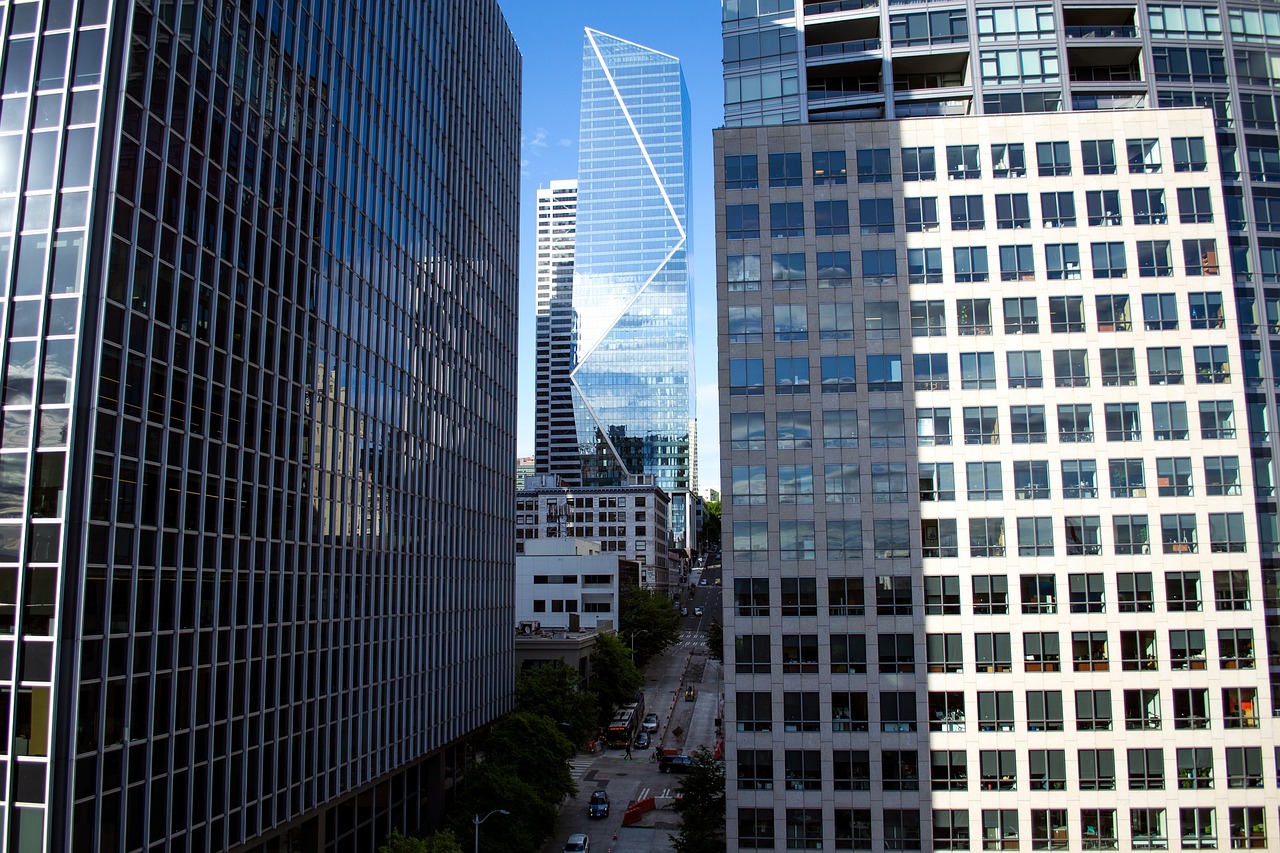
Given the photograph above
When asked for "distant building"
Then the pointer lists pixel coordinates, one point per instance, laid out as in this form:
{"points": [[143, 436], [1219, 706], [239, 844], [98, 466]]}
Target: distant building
{"points": [[537, 645], [570, 583], [631, 521], [524, 468], [556, 334]]}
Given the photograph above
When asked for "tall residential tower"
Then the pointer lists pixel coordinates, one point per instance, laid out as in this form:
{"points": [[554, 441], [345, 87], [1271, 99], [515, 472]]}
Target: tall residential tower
{"points": [[256, 467]]}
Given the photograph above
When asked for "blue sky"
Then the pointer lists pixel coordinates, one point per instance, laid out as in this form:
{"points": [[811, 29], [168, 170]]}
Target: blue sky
{"points": [[550, 38]]}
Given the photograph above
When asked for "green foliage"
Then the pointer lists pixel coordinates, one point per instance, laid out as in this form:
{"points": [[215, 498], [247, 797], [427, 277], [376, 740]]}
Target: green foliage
{"points": [[442, 842], [709, 535], [614, 678], [556, 691], [534, 748], [715, 640], [490, 785], [701, 806], [648, 621]]}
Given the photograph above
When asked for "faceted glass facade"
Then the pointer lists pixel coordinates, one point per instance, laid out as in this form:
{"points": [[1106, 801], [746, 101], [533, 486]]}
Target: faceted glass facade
{"points": [[633, 376], [258, 267]]}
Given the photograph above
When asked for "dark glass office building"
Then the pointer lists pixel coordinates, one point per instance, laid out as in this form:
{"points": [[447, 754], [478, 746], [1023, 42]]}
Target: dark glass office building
{"points": [[256, 538]]}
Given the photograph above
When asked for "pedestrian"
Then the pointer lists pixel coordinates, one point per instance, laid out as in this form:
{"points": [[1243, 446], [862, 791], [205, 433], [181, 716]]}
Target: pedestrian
{"points": [[628, 748]]}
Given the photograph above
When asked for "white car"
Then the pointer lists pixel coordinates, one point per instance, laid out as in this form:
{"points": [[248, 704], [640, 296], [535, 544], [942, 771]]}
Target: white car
{"points": [[577, 843], [650, 723], [697, 611]]}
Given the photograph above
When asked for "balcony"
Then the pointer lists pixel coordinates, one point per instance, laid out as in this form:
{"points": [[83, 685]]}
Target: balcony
{"points": [[840, 50], [1101, 31], [830, 7]]}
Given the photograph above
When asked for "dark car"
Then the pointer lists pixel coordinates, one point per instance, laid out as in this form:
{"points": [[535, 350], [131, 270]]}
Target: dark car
{"points": [[598, 805], [675, 763], [642, 740]]}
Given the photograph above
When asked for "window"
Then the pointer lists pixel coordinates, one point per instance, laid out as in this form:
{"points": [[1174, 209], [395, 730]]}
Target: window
{"points": [[1008, 160], [790, 323], [752, 653], [1035, 537], [791, 375], [1025, 371], [842, 483], [800, 712], [990, 595], [786, 219], [849, 713], [741, 172], [945, 652], [928, 318], [1103, 207], [835, 269], [799, 597], [1138, 650], [1044, 712], [844, 539], [1087, 593], [742, 221], [937, 481], [998, 769], [853, 829], [784, 170], [1075, 423], [1231, 589], [835, 321], [1169, 421], [799, 653], [933, 427], [1155, 259], [1197, 828], [743, 272], [1194, 205], [848, 653], [1098, 828], [1071, 368], [977, 370], [1178, 533], [1164, 365], [924, 266], [892, 538], [1000, 829], [1207, 310], [1066, 313], [845, 596], [1093, 707], [1098, 156], [881, 321], [1058, 209], [1147, 827], [1119, 367], [1135, 593], [1244, 767], [874, 166], [1089, 651], [888, 427], [962, 162], [1048, 828], [938, 538], [795, 430], [1182, 591], [981, 425], [1012, 210], [1189, 154], [893, 594], [787, 270], [942, 595], [1041, 651], [1191, 709], [752, 596], [1109, 260], [994, 653], [1021, 316], [1097, 770], [829, 168], [1031, 480], [884, 372], [851, 770], [1235, 648], [1221, 475], [1062, 261], [745, 326], [1079, 478], [804, 829], [898, 712], [1053, 159], [921, 214], [1159, 311], [950, 829], [1148, 207], [1083, 535], [755, 711], [748, 485], [1113, 313], [875, 216], [897, 653], [1248, 826], [946, 714], [755, 828], [1213, 367], [838, 375], [1142, 710], [755, 769], [1027, 423], [1132, 536], [918, 164], [1173, 475], [746, 430], [1017, 263], [1195, 768], [901, 828], [1144, 156], [967, 213], [746, 376], [1123, 423], [971, 264]]}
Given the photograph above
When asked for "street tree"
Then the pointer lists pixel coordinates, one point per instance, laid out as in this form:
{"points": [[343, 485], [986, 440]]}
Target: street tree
{"points": [[701, 806], [614, 677], [534, 748], [441, 842], [648, 621], [488, 785], [715, 641], [709, 535], [556, 690]]}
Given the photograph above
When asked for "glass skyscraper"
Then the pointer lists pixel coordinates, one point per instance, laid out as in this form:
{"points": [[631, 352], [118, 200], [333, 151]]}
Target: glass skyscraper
{"points": [[633, 374], [256, 537]]}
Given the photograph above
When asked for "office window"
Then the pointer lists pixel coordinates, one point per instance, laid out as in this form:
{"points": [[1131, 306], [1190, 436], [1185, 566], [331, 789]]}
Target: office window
{"points": [[977, 370], [786, 219], [942, 595], [1142, 711], [800, 712], [933, 427], [950, 829], [994, 653], [1040, 651], [1144, 155], [755, 711], [746, 376], [1195, 768], [1248, 826], [1119, 367], [924, 266], [1098, 156], [831, 218], [741, 172], [938, 537], [874, 166], [1012, 210], [1066, 313], [1097, 769], [1207, 310], [902, 827], [1155, 259], [888, 427], [755, 828], [1182, 591], [748, 485], [897, 653], [742, 221], [853, 829], [745, 324], [1053, 159], [893, 595], [998, 769], [835, 321], [921, 214], [849, 714], [1178, 533], [971, 264], [1103, 207], [1031, 480], [898, 711], [1021, 316], [937, 481], [804, 829], [1027, 423], [799, 597], [851, 770], [1235, 648], [974, 316], [829, 168], [1169, 421], [746, 430], [751, 596], [1149, 207], [1200, 257], [990, 595], [1194, 205], [1083, 535], [844, 539], [1089, 654], [755, 769], [1000, 829], [928, 318], [1044, 712], [875, 216], [1197, 828], [967, 213], [842, 483], [1159, 311], [918, 164], [1222, 475], [835, 269], [1231, 589], [743, 273], [981, 425], [1147, 826], [795, 430], [1079, 478], [1164, 365], [1138, 650], [1098, 828], [791, 375], [1122, 422], [1025, 371], [884, 372], [1058, 209], [1062, 261], [1035, 537], [1008, 160], [1113, 313], [1244, 767], [787, 270], [946, 714], [785, 170], [790, 323], [892, 538], [799, 653], [1213, 367], [986, 537], [1128, 478], [845, 596], [1189, 154], [1071, 368], [1017, 263], [838, 374], [881, 321], [752, 654], [1075, 423], [1108, 260], [1135, 592], [945, 652], [1173, 477], [963, 162]]}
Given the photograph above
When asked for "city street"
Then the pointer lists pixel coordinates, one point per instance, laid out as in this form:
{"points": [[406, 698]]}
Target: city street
{"points": [[683, 725]]}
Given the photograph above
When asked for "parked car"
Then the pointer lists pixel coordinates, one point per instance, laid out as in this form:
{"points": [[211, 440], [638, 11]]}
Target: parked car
{"points": [[684, 611], [675, 763], [697, 611], [643, 740], [577, 843], [702, 582], [650, 723], [598, 805]]}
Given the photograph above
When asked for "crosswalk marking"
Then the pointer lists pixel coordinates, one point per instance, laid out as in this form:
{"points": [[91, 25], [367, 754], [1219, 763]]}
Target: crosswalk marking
{"points": [[578, 767]]}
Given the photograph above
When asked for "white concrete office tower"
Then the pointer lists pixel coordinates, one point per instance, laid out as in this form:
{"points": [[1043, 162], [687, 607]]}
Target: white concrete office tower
{"points": [[998, 493], [555, 433]]}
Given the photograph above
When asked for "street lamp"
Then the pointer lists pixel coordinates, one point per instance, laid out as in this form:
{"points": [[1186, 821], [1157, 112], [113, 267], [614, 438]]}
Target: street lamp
{"points": [[477, 820]]}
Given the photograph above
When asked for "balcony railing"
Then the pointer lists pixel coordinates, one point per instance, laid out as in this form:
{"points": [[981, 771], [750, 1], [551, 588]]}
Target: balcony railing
{"points": [[1101, 31], [826, 8], [843, 48]]}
